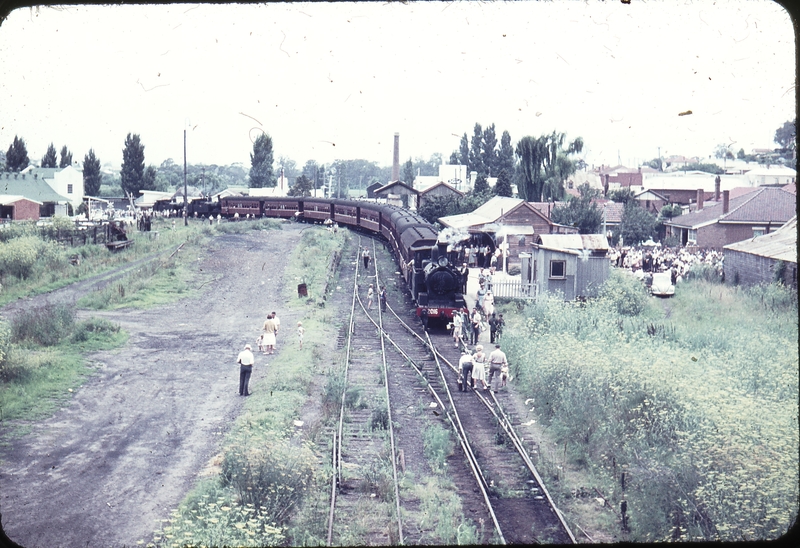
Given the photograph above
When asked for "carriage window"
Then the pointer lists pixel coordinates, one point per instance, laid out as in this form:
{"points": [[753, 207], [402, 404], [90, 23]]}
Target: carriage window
{"points": [[558, 269]]}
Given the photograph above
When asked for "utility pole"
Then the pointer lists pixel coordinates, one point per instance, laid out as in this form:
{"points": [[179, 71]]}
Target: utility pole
{"points": [[185, 188]]}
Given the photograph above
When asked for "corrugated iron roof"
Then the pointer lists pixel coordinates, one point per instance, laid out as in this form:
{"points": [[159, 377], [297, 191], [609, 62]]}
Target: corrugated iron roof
{"points": [[33, 189], [565, 242], [6, 199], [779, 245], [762, 205]]}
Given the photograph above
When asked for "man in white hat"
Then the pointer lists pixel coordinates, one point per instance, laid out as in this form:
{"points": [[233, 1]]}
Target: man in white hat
{"points": [[246, 361]]}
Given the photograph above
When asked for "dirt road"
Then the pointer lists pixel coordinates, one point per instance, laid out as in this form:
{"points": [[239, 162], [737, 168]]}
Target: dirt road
{"points": [[106, 468]]}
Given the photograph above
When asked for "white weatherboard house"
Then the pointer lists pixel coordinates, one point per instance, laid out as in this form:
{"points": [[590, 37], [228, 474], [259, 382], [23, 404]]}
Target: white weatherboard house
{"points": [[67, 181]]}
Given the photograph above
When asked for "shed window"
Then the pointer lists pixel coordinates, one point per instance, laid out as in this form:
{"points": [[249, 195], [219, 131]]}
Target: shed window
{"points": [[693, 235], [558, 269], [69, 189], [758, 231]]}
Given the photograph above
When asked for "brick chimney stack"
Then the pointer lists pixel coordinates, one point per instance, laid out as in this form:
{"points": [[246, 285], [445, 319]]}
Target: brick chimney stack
{"points": [[726, 196], [396, 158], [716, 188], [700, 196]]}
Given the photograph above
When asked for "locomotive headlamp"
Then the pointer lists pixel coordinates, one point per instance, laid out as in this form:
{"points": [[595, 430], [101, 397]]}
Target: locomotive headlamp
{"points": [[442, 261]]}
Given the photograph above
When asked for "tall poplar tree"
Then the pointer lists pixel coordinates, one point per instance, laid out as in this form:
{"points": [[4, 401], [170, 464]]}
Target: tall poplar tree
{"points": [[503, 185], [505, 155], [132, 173], [66, 157], [50, 158], [17, 155], [92, 178], [475, 156], [489, 152], [261, 160]]}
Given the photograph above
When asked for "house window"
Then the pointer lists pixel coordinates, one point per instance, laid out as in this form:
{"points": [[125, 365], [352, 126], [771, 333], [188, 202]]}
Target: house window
{"points": [[558, 269], [758, 231], [521, 241], [693, 235], [69, 189]]}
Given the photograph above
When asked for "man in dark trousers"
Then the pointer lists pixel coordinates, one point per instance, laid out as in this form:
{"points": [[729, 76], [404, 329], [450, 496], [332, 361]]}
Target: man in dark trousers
{"points": [[493, 328], [245, 361], [365, 256], [466, 370]]}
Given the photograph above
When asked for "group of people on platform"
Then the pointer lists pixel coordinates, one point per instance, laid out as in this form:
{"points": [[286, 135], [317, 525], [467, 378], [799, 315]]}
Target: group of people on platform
{"points": [[473, 253], [641, 260]]}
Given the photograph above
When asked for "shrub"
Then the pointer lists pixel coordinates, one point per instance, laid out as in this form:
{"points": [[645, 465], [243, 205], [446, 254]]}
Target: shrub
{"points": [[46, 325], [91, 328], [702, 271], [626, 293], [18, 256], [437, 445]]}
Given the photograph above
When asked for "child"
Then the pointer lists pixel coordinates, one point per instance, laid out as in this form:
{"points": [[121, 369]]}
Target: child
{"points": [[300, 332], [260, 343]]}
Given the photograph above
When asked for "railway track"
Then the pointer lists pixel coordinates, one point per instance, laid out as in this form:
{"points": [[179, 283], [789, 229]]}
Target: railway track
{"points": [[388, 354]]}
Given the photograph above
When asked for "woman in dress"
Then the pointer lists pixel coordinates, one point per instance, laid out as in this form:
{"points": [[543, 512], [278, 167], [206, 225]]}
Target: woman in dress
{"points": [[270, 328], [370, 297], [479, 368], [488, 304], [458, 321]]}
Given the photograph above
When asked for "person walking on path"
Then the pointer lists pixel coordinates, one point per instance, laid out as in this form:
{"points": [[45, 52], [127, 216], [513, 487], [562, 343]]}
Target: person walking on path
{"points": [[245, 361], [465, 364], [479, 367], [370, 297], [497, 359], [383, 298], [457, 323], [488, 303], [475, 330], [300, 332], [270, 329], [365, 257], [277, 325], [493, 328]]}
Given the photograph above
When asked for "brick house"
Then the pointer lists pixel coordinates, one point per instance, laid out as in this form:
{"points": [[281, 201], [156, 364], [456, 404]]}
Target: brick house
{"points": [[18, 208], [440, 189], [35, 189], [398, 193], [753, 261], [733, 219]]}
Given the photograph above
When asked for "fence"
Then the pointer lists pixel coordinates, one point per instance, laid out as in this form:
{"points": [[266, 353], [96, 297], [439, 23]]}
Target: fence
{"points": [[515, 289]]}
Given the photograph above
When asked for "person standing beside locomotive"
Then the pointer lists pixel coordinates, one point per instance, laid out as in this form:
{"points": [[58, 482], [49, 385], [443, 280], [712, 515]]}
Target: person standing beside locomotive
{"points": [[475, 324], [245, 361], [457, 323], [270, 329]]}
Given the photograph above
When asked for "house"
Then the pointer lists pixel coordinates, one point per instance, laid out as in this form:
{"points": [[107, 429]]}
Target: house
{"points": [[651, 201], [440, 190], [67, 181], [775, 175], [372, 188], [35, 189], [509, 223], [400, 194], [19, 208], [755, 261], [574, 265], [733, 219], [681, 187]]}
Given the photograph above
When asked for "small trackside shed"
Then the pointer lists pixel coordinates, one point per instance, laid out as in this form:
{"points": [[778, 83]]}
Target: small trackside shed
{"points": [[754, 261], [19, 208], [576, 265]]}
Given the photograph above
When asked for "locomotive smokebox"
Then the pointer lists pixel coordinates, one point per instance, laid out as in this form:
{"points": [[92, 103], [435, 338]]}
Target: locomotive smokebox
{"points": [[439, 251]]}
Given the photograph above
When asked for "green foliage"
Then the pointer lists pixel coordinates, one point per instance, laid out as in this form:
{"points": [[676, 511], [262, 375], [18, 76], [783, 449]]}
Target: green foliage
{"points": [[66, 157], [17, 155], [626, 294], [638, 224], [503, 185], [50, 157], [408, 173], [621, 195], [302, 187], [92, 178], [581, 212], [132, 172], [441, 513], [670, 211], [544, 165], [93, 329], [708, 168], [437, 446], [696, 402], [46, 326], [18, 256], [261, 159], [786, 135], [779, 272], [481, 186], [706, 272]]}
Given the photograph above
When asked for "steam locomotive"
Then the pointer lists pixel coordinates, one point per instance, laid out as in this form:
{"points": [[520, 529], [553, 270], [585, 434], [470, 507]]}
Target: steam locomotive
{"points": [[434, 283]]}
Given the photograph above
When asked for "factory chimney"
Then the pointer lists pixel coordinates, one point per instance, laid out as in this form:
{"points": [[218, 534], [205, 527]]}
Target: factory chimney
{"points": [[396, 159]]}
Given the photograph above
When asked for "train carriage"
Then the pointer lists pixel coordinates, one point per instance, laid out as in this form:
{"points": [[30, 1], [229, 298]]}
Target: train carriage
{"points": [[317, 209], [286, 208], [345, 212], [369, 217], [243, 205]]}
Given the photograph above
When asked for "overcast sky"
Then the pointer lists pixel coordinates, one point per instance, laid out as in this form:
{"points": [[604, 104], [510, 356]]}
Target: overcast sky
{"points": [[336, 81]]}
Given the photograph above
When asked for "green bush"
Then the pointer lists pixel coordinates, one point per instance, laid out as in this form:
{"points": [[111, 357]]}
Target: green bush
{"points": [[702, 271], [93, 328], [18, 256], [437, 445], [626, 293], [46, 325]]}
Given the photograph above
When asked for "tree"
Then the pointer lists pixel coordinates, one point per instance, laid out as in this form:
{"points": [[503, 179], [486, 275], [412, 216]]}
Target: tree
{"points": [[92, 178], [581, 212], [132, 172], [723, 152], [503, 185], [475, 156], [637, 224], [17, 155], [302, 187], [481, 186], [261, 174], [408, 173], [708, 168], [66, 157], [544, 165], [454, 158], [488, 153], [149, 178], [621, 195], [289, 166], [669, 211], [505, 156], [786, 136], [50, 157]]}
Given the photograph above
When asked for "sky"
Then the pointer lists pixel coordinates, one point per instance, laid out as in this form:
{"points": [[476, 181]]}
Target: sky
{"points": [[332, 81]]}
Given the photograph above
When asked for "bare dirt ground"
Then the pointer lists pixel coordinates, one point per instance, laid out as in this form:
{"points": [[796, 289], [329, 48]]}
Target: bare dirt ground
{"points": [[113, 462]]}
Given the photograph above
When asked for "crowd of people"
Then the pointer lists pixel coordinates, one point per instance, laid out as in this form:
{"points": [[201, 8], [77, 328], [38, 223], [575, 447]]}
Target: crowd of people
{"points": [[679, 261]]}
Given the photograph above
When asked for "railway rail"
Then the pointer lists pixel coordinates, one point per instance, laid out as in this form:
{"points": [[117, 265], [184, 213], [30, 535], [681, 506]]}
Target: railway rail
{"points": [[512, 496]]}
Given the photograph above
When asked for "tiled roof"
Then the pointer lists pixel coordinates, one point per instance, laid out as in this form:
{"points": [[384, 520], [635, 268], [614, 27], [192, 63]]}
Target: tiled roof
{"points": [[761, 205]]}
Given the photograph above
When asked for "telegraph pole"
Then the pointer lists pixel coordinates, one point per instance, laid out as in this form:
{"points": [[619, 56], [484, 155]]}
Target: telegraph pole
{"points": [[185, 188]]}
